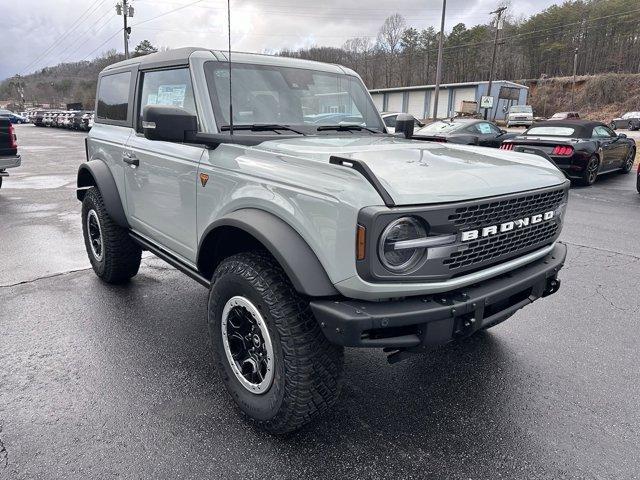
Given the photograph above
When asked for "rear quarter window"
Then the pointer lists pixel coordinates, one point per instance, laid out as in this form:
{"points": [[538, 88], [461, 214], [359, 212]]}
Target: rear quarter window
{"points": [[552, 131], [113, 97]]}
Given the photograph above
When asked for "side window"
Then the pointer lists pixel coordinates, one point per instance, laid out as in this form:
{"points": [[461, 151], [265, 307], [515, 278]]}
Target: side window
{"points": [[486, 128], [167, 87], [390, 121], [113, 97], [602, 132]]}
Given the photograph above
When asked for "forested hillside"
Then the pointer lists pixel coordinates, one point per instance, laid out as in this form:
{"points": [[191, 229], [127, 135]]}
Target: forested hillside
{"points": [[605, 32]]}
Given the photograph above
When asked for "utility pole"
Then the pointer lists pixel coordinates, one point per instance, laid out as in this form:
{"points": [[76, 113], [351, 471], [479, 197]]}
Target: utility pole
{"points": [[123, 8], [498, 12], [439, 62], [573, 87]]}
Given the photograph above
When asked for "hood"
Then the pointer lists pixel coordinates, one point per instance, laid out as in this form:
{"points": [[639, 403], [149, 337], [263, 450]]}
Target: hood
{"points": [[417, 172]]}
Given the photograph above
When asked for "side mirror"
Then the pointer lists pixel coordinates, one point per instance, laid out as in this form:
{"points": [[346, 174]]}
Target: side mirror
{"points": [[503, 132], [622, 135], [168, 124], [405, 125]]}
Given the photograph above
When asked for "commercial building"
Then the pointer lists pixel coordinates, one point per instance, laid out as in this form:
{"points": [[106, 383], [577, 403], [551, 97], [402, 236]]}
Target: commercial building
{"points": [[419, 102]]}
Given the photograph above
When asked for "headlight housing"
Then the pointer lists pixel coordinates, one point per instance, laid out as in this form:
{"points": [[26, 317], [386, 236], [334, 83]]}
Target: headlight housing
{"points": [[394, 248]]}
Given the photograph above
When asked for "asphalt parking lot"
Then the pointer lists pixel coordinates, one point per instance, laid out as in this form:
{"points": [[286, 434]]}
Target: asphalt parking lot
{"points": [[98, 381]]}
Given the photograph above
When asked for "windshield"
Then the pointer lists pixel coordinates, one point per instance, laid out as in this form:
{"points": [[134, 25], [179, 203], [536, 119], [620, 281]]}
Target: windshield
{"points": [[289, 96], [439, 127], [551, 131], [521, 109]]}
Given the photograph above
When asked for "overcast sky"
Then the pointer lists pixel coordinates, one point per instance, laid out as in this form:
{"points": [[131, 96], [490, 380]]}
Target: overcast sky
{"points": [[82, 29]]}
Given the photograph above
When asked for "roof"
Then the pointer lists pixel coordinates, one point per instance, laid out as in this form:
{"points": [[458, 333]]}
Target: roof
{"points": [[583, 128], [180, 56], [446, 85]]}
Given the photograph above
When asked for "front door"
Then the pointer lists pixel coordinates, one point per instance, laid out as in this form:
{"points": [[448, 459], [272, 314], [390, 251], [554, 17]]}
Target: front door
{"points": [[161, 177], [488, 134], [613, 151]]}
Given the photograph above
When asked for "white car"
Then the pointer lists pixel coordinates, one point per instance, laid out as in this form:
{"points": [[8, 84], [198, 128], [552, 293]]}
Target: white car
{"points": [[389, 119], [520, 115]]}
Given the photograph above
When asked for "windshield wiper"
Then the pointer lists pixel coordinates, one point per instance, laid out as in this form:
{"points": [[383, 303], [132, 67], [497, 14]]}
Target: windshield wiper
{"points": [[261, 127], [346, 128]]}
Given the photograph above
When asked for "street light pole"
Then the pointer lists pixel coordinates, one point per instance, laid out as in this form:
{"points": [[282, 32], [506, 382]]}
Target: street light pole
{"points": [[439, 62], [573, 87], [498, 12]]}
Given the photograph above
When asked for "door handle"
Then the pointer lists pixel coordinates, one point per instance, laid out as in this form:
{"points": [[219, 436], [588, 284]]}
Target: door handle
{"points": [[130, 159]]}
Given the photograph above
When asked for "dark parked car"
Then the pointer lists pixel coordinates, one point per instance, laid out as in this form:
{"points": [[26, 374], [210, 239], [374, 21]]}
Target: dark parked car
{"points": [[581, 149], [12, 117], [9, 157], [464, 131], [638, 179], [565, 116], [630, 120]]}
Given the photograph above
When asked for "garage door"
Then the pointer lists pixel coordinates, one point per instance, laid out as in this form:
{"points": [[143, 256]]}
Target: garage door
{"points": [[378, 100], [463, 94], [443, 104], [416, 104], [394, 102]]}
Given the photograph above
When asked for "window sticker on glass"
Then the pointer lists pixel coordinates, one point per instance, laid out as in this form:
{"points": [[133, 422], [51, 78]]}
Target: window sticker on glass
{"points": [[152, 99], [485, 128], [171, 95]]}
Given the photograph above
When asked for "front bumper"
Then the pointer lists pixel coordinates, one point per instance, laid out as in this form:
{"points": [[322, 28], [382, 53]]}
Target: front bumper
{"points": [[429, 321], [10, 161]]}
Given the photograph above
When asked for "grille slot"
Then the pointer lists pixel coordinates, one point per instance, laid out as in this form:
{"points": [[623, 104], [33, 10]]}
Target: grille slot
{"points": [[491, 213], [504, 244]]}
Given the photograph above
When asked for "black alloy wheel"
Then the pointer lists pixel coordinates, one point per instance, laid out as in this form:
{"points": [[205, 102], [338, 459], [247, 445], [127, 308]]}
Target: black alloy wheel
{"points": [[590, 173], [629, 161]]}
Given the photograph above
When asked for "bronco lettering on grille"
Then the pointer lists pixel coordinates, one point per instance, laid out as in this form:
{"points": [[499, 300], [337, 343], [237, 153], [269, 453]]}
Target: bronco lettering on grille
{"points": [[506, 227]]}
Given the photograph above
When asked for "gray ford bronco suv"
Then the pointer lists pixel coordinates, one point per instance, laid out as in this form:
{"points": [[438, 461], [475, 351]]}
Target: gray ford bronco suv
{"points": [[312, 228]]}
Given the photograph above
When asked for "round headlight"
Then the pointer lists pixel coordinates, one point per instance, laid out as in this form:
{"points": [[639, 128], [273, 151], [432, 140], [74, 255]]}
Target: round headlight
{"points": [[395, 256]]}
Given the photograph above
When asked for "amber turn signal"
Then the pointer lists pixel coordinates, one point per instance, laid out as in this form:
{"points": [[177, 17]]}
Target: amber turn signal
{"points": [[361, 242]]}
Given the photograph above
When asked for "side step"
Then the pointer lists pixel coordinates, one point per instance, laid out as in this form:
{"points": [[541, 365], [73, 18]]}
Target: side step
{"points": [[170, 259]]}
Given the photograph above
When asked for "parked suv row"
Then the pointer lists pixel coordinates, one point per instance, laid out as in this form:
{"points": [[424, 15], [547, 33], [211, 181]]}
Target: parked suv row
{"points": [[74, 120]]}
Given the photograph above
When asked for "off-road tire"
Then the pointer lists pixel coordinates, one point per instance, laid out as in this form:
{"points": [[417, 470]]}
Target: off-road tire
{"points": [[307, 368], [120, 254], [587, 179], [629, 161]]}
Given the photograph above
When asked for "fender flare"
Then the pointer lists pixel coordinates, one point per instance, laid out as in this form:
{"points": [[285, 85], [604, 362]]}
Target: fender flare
{"points": [[292, 252], [96, 173]]}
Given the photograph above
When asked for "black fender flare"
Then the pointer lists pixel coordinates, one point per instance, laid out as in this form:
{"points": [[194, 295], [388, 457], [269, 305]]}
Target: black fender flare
{"points": [[292, 252], [96, 173]]}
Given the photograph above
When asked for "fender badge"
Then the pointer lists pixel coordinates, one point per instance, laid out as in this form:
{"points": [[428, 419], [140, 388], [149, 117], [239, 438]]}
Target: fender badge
{"points": [[204, 178]]}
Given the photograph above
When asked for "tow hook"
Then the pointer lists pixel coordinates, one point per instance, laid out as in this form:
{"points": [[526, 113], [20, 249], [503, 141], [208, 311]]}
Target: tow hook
{"points": [[553, 285]]}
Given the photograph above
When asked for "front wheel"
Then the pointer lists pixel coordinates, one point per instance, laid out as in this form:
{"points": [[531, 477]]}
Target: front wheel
{"points": [[114, 256], [270, 353], [630, 127], [613, 126], [628, 162]]}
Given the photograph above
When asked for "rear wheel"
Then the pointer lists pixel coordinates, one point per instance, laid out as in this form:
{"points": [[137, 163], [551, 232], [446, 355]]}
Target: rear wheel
{"points": [[590, 173], [630, 126], [270, 352], [629, 160], [114, 256]]}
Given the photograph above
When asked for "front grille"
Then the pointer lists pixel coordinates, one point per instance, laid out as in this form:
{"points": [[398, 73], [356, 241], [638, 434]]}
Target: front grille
{"points": [[487, 249], [492, 213]]}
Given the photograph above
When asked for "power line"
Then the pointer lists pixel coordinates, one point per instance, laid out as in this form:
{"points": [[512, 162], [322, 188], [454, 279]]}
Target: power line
{"points": [[75, 24], [102, 44], [167, 13], [113, 15]]}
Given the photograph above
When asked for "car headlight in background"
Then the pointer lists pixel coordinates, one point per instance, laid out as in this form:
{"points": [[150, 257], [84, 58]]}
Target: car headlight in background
{"points": [[397, 249]]}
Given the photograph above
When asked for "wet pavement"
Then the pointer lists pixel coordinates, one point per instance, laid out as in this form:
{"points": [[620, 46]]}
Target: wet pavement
{"points": [[98, 381]]}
